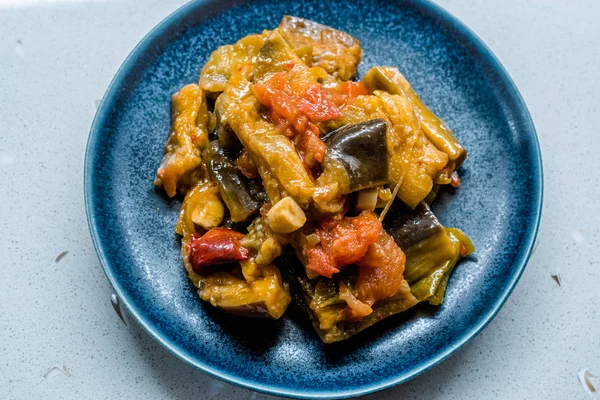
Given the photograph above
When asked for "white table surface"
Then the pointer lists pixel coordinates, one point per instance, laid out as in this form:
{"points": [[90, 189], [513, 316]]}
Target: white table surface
{"points": [[56, 60]]}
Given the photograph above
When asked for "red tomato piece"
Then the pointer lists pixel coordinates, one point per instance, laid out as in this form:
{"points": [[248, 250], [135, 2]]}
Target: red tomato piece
{"points": [[367, 226], [354, 89], [283, 104], [345, 241], [320, 262], [380, 272], [294, 104], [317, 106], [345, 246]]}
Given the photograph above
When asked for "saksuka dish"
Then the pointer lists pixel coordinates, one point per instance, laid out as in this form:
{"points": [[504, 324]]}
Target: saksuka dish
{"points": [[280, 152]]}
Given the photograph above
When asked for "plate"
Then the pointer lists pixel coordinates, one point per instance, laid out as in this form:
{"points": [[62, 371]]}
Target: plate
{"points": [[498, 204]]}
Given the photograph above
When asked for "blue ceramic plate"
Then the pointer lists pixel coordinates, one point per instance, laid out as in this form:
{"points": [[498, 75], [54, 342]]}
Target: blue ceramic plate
{"points": [[498, 203]]}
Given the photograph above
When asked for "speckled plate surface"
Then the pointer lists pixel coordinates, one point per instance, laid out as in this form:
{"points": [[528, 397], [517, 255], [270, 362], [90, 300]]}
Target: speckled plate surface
{"points": [[498, 203]]}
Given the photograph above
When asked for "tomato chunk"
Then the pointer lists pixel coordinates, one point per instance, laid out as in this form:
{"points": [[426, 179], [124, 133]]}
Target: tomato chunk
{"points": [[354, 89], [353, 236], [380, 271], [344, 242], [217, 246], [295, 106], [321, 262], [310, 146], [316, 105]]}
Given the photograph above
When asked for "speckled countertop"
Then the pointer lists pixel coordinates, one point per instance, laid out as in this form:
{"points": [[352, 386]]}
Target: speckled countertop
{"points": [[59, 335]]}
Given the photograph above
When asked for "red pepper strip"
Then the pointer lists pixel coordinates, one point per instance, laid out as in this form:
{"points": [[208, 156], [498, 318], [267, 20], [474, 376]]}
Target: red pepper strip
{"points": [[217, 246]]}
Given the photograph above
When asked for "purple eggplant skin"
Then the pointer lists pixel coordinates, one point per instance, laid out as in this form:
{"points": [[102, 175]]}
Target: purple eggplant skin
{"points": [[241, 199], [361, 149], [228, 140], [409, 227]]}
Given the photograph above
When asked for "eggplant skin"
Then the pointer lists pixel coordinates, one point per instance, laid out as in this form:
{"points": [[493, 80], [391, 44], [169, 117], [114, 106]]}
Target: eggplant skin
{"points": [[265, 297], [233, 185], [410, 227], [324, 315], [320, 299], [335, 51], [432, 251], [228, 141], [361, 149]]}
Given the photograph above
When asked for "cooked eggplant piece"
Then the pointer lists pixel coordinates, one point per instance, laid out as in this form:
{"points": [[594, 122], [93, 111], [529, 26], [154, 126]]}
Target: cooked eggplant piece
{"points": [[410, 227], [181, 166], [232, 184], [322, 46], [227, 138], [356, 156], [226, 60], [266, 297], [425, 258], [265, 245], [274, 56], [257, 191], [432, 285], [466, 248], [432, 261], [392, 81], [412, 159], [431, 250], [326, 309], [202, 207], [274, 155]]}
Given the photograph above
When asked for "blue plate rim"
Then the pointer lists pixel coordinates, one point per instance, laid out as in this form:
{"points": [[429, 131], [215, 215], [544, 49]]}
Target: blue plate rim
{"points": [[112, 92]]}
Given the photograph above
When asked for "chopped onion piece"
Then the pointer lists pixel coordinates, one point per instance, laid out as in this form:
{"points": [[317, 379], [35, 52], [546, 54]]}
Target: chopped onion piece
{"points": [[367, 199]]}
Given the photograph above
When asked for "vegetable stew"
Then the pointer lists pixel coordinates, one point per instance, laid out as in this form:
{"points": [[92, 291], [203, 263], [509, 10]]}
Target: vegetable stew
{"points": [[280, 152]]}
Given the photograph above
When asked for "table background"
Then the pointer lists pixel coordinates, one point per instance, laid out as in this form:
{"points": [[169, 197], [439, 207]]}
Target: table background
{"points": [[56, 60]]}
